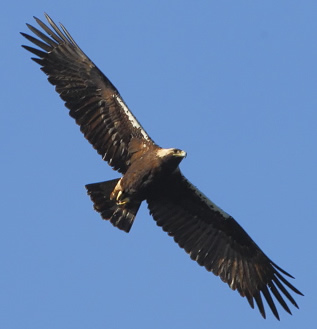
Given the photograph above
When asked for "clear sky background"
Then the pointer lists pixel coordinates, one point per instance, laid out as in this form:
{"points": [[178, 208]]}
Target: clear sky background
{"points": [[231, 82]]}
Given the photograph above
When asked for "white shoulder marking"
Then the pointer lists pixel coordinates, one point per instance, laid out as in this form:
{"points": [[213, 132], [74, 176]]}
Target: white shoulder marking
{"points": [[135, 123], [161, 153], [208, 202]]}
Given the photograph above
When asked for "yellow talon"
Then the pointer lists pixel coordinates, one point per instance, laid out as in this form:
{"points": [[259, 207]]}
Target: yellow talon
{"points": [[122, 202], [119, 195]]}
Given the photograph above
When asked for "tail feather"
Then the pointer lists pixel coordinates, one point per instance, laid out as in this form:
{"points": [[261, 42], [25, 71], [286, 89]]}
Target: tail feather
{"points": [[121, 216]]}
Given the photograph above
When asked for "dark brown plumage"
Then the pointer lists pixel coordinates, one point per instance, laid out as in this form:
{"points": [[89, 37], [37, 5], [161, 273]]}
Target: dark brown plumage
{"points": [[208, 234]]}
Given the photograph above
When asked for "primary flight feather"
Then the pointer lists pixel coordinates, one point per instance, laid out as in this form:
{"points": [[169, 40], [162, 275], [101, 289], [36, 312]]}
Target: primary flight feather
{"points": [[151, 173]]}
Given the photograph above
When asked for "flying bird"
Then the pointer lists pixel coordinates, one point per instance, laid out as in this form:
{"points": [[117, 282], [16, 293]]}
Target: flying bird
{"points": [[150, 173]]}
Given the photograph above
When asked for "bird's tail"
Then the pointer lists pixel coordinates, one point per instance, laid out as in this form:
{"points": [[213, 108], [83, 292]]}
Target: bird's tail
{"points": [[120, 215]]}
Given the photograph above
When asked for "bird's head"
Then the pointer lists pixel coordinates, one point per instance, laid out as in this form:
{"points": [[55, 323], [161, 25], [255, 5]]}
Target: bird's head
{"points": [[171, 157], [171, 153]]}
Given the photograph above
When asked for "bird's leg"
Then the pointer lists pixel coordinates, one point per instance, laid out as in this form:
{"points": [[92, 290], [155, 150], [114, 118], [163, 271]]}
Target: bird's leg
{"points": [[117, 195], [123, 201]]}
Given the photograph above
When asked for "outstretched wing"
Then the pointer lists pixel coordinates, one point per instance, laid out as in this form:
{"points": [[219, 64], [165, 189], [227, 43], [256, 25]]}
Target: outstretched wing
{"points": [[92, 99], [217, 242]]}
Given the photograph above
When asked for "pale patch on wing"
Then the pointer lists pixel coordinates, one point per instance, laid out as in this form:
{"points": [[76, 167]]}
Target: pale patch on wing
{"points": [[161, 153], [134, 122], [202, 196]]}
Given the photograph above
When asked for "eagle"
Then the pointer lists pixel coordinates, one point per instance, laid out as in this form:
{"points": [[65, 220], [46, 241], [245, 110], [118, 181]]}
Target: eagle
{"points": [[150, 173]]}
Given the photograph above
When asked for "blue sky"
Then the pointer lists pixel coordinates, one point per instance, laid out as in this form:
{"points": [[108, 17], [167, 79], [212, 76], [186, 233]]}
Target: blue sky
{"points": [[231, 82]]}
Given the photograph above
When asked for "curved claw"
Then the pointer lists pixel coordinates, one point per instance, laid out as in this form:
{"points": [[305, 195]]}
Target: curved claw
{"points": [[123, 201]]}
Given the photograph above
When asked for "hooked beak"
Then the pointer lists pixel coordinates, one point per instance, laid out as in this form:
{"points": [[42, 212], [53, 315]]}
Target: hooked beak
{"points": [[181, 154]]}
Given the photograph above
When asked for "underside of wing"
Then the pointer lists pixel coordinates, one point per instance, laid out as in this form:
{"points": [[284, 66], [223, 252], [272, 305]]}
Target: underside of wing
{"points": [[216, 241], [93, 101]]}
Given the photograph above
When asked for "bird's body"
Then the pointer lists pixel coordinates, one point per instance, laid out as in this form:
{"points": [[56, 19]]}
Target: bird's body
{"points": [[151, 173], [148, 170], [146, 173]]}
